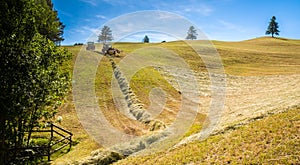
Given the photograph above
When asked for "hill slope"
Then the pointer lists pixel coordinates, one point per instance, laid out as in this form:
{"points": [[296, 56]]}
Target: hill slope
{"points": [[260, 56], [272, 140], [254, 96]]}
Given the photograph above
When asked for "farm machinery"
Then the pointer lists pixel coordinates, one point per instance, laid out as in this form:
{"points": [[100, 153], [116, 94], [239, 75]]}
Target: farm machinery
{"points": [[109, 50], [90, 46]]}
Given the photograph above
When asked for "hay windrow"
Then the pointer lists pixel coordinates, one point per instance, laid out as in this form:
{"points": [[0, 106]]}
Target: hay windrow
{"points": [[136, 108]]}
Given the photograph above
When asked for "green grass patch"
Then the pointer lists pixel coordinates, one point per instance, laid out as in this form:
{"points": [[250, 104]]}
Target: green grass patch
{"points": [[197, 125], [148, 78]]}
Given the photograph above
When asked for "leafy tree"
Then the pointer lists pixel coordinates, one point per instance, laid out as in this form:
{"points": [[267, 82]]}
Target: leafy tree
{"points": [[273, 27], [192, 33], [32, 77], [146, 39], [106, 35]]}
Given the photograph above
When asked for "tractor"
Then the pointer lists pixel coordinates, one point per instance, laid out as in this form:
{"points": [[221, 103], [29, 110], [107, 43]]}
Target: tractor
{"points": [[90, 46], [109, 50]]}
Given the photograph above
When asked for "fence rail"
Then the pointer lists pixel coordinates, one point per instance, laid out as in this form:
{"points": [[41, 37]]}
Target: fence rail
{"points": [[46, 150]]}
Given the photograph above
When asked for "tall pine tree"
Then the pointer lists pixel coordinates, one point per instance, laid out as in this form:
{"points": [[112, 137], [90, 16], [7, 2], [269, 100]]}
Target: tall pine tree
{"points": [[48, 22], [146, 39], [105, 35], [192, 33], [273, 27]]}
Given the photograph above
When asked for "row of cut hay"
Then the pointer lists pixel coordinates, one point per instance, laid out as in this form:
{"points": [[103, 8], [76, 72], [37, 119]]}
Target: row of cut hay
{"points": [[136, 108]]}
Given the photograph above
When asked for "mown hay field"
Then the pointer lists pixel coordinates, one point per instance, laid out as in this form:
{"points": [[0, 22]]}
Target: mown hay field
{"points": [[262, 73]]}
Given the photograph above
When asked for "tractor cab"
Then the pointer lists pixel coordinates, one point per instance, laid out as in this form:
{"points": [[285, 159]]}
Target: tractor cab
{"points": [[105, 48]]}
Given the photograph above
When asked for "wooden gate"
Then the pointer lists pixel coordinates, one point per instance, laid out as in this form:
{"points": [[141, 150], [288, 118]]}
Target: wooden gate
{"points": [[58, 139]]}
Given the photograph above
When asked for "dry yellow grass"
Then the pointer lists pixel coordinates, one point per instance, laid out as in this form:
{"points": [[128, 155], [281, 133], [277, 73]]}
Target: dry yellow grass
{"points": [[261, 56], [273, 140]]}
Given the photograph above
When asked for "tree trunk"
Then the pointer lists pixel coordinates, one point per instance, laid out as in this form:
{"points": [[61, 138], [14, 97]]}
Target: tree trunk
{"points": [[3, 145]]}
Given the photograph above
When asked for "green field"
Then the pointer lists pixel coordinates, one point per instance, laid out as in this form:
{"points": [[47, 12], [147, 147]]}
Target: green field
{"points": [[260, 141]]}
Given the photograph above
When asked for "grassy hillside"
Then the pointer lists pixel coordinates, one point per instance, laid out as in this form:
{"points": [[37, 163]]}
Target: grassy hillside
{"points": [[261, 56], [272, 140]]}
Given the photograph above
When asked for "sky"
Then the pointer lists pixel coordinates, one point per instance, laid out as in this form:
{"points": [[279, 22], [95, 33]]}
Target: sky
{"points": [[131, 20]]}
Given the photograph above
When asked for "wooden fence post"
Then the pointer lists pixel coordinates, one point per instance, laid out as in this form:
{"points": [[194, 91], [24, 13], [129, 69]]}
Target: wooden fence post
{"points": [[49, 146], [70, 142], [51, 137]]}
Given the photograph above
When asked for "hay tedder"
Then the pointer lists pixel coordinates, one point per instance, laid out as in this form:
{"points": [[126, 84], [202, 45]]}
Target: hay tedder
{"points": [[109, 50]]}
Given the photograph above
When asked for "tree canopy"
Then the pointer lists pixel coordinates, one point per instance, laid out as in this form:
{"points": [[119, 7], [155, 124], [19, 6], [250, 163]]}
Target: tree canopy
{"points": [[192, 33], [273, 27], [105, 35], [32, 77], [146, 39]]}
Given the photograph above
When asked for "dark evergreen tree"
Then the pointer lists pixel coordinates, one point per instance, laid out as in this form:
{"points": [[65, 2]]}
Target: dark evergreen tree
{"points": [[48, 23], [146, 39], [192, 33], [273, 27], [106, 35]]}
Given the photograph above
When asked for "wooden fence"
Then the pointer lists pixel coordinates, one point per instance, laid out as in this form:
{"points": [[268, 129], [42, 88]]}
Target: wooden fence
{"points": [[59, 138]]}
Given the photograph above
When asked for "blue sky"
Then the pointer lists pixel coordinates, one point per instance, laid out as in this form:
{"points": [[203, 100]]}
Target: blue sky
{"points": [[227, 20]]}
